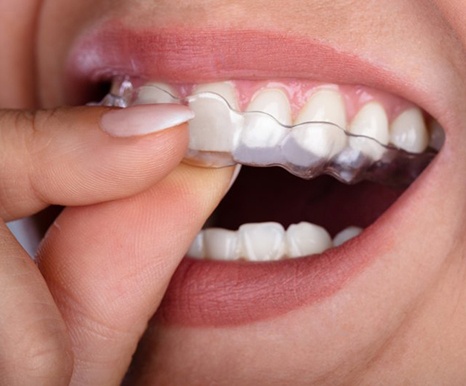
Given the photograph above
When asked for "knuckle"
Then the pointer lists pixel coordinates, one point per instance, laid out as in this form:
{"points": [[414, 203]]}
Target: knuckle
{"points": [[23, 134], [38, 144]]}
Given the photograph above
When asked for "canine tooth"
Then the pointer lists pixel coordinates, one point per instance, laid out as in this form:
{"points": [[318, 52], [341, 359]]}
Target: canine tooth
{"points": [[408, 131], [225, 89], [371, 121], [305, 239], [262, 241], [196, 250], [345, 235], [272, 101], [221, 244], [156, 93]]}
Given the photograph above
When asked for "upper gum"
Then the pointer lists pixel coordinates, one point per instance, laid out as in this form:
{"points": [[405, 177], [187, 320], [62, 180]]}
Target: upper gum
{"points": [[299, 91]]}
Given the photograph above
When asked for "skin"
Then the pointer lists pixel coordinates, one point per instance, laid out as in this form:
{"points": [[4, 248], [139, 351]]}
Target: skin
{"points": [[86, 306]]}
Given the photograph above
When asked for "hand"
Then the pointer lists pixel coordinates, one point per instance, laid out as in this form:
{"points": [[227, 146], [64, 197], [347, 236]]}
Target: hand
{"points": [[102, 269]]}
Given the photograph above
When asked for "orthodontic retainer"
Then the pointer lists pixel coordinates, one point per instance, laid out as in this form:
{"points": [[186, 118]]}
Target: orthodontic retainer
{"points": [[306, 150]]}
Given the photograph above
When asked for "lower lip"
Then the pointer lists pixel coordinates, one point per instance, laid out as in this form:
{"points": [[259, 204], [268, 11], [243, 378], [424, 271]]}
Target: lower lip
{"points": [[216, 294]]}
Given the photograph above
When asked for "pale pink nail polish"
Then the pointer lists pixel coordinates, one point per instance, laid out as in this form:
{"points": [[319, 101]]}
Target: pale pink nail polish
{"points": [[144, 119]]}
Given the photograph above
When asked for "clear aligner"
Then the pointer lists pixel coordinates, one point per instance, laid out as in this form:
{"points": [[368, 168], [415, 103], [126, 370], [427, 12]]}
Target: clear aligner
{"points": [[222, 136]]}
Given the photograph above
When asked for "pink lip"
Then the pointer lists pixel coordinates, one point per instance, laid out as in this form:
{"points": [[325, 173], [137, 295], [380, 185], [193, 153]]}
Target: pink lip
{"points": [[181, 55], [215, 293]]}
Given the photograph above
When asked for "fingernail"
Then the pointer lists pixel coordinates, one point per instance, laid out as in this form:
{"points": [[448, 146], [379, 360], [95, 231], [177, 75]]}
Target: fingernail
{"points": [[144, 119]]}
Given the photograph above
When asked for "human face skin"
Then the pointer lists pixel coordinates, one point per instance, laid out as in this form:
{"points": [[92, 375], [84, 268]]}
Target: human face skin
{"points": [[397, 315]]}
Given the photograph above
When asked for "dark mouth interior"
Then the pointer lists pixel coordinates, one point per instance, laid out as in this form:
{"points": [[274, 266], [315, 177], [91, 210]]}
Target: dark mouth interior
{"points": [[87, 91], [273, 194]]}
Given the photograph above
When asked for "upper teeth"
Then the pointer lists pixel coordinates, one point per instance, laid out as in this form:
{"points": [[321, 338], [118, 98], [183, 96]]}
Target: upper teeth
{"points": [[371, 121], [274, 102], [408, 131], [266, 242], [323, 140], [308, 132], [325, 104]]}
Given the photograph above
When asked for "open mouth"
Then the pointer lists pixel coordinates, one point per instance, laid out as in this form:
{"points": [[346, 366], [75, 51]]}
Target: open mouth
{"points": [[374, 141], [276, 242]]}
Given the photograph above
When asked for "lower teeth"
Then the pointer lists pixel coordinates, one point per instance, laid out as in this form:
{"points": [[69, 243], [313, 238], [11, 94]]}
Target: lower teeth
{"points": [[266, 242]]}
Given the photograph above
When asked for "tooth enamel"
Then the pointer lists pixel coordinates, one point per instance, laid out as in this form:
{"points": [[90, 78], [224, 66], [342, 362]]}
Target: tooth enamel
{"points": [[274, 102], [346, 235], [196, 250], [262, 242], [214, 127], [260, 140], [225, 89], [408, 131], [324, 105], [317, 140], [305, 239], [221, 244], [261, 135], [156, 93], [371, 121]]}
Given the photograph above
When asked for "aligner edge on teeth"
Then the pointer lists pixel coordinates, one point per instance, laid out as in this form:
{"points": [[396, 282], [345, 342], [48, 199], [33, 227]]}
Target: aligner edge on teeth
{"points": [[221, 135]]}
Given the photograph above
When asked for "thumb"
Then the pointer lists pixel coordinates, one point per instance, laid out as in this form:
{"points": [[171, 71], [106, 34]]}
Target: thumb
{"points": [[85, 155]]}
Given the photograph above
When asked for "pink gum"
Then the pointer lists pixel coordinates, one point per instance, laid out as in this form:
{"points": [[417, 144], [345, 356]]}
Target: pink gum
{"points": [[299, 91]]}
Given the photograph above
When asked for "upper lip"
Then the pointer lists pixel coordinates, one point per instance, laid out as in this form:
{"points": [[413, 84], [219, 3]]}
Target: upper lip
{"points": [[203, 55], [196, 55]]}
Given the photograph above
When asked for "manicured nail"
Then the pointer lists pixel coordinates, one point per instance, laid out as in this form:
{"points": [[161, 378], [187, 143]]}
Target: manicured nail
{"points": [[144, 119]]}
